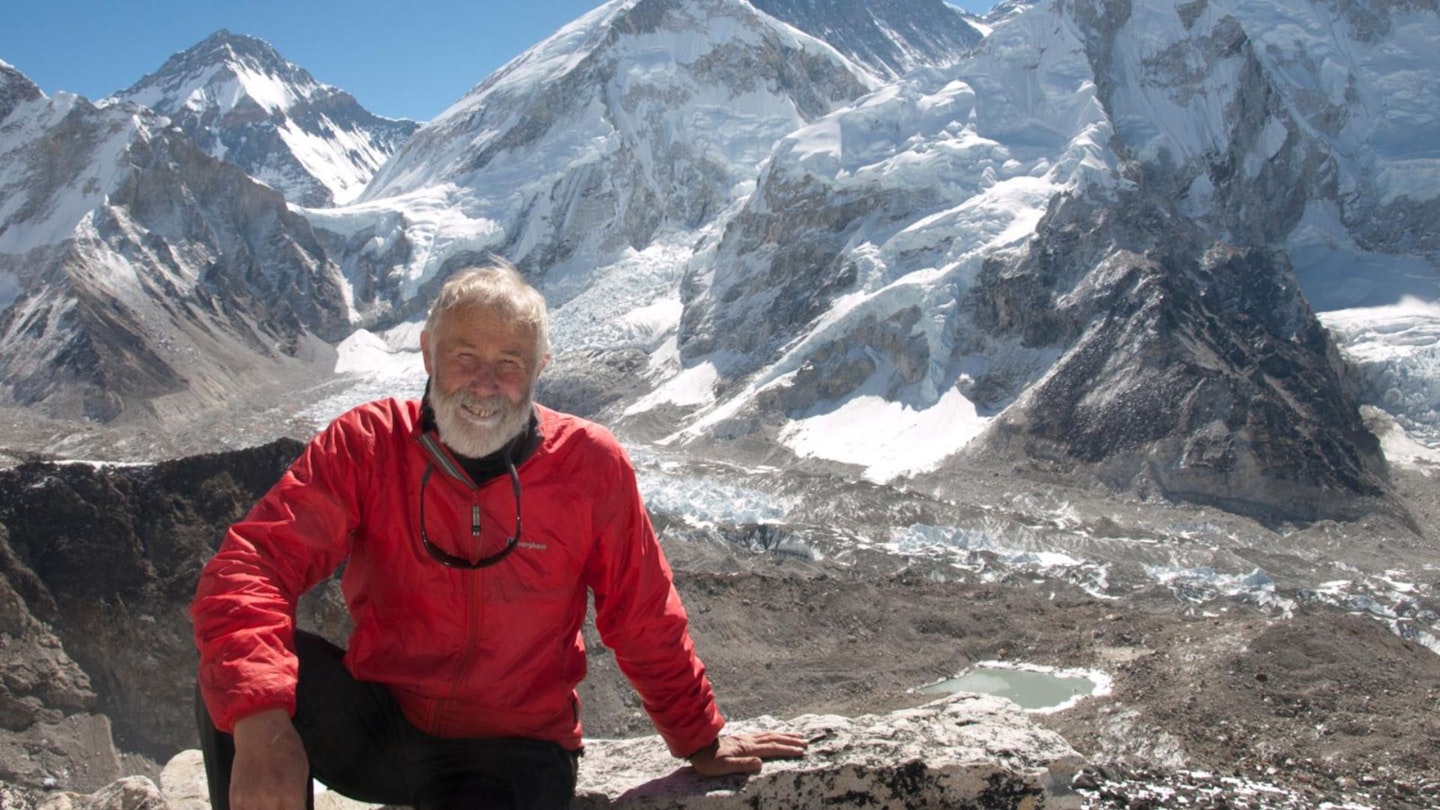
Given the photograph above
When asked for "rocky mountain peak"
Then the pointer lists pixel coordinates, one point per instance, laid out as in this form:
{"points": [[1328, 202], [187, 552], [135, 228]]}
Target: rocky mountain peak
{"points": [[221, 74], [245, 103], [640, 121], [603, 67], [15, 89]]}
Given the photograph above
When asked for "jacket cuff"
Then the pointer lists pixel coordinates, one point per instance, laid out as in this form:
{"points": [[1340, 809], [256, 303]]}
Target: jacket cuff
{"points": [[686, 743], [711, 747]]}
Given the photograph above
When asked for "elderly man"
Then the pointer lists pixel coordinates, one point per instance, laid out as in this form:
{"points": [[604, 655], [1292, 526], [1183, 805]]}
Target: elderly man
{"points": [[471, 525]]}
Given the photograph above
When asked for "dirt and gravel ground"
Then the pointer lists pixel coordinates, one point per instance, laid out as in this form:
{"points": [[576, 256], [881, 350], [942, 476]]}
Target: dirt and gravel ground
{"points": [[1215, 702], [1321, 705]]}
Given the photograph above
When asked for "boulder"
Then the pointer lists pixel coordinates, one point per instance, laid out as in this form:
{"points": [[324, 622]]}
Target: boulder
{"points": [[963, 751]]}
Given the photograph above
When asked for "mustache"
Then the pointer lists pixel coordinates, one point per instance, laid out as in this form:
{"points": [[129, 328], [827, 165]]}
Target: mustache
{"points": [[468, 401], [473, 403]]}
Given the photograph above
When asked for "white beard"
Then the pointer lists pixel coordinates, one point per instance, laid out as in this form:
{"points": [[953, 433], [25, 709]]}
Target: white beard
{"points": [[468, 435]]}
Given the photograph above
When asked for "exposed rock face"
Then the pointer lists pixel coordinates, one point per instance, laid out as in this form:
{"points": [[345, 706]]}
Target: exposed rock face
{"points": [[48, 728], [41, 682], [1201, 379], [77, 751], [107, 559], [784, 283]]}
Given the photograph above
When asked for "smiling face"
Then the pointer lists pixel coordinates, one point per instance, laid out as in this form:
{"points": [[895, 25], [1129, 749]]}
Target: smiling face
{"points": [[482, 366]]}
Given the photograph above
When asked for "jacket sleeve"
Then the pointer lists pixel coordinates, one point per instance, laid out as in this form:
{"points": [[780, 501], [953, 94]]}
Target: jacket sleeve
{"points": [[640, 617], [244, 608]]}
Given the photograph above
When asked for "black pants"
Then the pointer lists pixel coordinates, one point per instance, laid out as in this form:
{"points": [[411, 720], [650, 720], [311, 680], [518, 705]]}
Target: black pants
{"points": [[361, 746]]}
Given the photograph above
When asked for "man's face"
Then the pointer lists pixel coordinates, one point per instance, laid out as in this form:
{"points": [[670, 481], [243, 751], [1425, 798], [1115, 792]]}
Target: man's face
{"points": [[482, 368]]}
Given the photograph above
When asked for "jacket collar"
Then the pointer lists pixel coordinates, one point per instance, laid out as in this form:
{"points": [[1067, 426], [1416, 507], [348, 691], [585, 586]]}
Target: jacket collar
{"points": [[520, 448]]}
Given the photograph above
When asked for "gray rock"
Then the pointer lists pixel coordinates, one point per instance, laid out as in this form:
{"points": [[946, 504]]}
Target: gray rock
{"points": [[75, 752], [183, 782], [96, 567], [965, 750], [130, 793]]}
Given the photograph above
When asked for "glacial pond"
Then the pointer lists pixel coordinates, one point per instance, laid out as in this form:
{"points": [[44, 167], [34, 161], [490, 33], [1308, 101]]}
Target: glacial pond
{"points": [[1033, 688]]}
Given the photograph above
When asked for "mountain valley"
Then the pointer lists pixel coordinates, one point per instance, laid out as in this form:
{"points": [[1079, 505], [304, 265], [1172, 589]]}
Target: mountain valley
{"points": [[1099, 336]]}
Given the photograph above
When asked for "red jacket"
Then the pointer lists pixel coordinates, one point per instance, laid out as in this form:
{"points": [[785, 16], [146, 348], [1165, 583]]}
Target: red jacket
{"points": [[467, 653]]}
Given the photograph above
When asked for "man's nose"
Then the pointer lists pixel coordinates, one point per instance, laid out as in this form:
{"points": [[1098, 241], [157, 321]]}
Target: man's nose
{"points": [[485, 377]]}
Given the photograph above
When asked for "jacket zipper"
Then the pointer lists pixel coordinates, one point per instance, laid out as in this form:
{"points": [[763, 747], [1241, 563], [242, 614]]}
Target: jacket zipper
{"points": [[475, 606], [474, 620]]}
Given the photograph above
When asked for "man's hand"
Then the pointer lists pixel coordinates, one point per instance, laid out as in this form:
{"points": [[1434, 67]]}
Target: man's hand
{"points": [[743, 753], [271, 770]]}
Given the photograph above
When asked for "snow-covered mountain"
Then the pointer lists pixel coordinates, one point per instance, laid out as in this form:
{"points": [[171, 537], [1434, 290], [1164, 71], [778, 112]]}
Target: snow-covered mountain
{"points": [[1126, 243], [244, 103], [975, 261], [639, 122], [890, 37], [140, 278]]}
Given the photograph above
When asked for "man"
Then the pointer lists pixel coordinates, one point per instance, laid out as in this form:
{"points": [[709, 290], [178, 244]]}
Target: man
{"points": [[471, 525]]}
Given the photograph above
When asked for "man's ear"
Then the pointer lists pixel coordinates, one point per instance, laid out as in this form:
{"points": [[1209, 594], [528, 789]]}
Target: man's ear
{"points": [[544, 361], [425, 351]]}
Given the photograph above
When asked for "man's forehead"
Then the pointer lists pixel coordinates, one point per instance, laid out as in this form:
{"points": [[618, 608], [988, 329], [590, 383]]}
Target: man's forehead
{"points": [[481, 321], [483, 312]]}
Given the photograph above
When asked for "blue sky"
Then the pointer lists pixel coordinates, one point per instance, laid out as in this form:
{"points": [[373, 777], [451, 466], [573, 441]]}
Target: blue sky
{"points": [[404, 60]]}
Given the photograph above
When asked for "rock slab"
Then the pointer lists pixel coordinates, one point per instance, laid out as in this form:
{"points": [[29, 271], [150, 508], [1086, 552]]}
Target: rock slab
{"points": [[962, 751]]}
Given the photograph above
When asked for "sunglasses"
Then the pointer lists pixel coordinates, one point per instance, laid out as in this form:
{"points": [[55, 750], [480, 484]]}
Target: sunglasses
{"points": [[452, 561]]}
